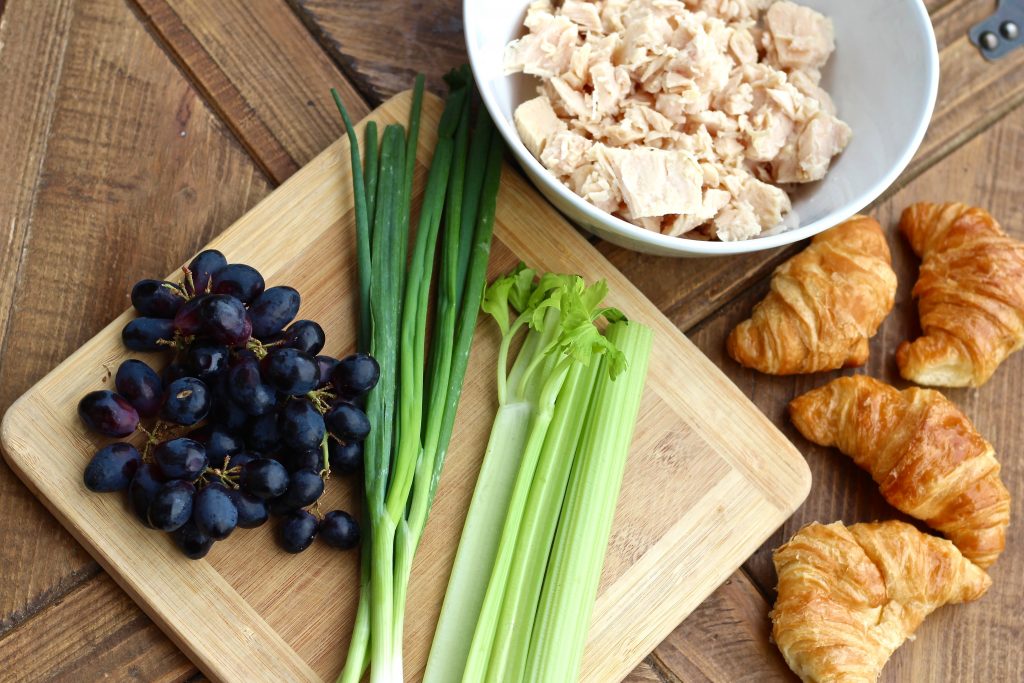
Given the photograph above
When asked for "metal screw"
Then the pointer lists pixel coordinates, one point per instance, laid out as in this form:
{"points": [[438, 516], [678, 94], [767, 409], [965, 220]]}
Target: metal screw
{"points": [[989, 40], [1009, 30]]}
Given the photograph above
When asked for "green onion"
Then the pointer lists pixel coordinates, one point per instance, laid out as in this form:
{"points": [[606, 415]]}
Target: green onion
{"points": [[364, 214], [407, 445], [372, 167]]}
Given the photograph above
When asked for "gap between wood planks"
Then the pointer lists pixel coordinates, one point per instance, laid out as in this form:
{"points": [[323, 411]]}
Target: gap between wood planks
{"points": [[344, 63], [216, 105]]}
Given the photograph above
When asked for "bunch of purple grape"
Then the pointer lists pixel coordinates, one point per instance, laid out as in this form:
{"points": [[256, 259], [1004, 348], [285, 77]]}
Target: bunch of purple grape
{"points": [[248, 421]]}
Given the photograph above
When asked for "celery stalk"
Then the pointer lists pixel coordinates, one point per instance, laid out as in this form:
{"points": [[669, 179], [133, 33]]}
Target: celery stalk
{"points": [[537, 529], [577, 557], [522, 482], [479, 544]]}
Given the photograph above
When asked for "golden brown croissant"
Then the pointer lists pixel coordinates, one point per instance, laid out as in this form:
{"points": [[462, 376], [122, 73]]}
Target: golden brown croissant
{"points": [[970, 295], [848, 597], [921, 450], [824, 304]]}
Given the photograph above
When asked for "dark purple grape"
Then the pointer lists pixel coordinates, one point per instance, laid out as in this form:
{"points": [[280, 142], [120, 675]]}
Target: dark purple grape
{"points": [[171, 507], [290, 371], [347, 422], [180, 458], [186, 401], [147, 334], [214, 512], [304, 335], [203, 266], [356, 375], [140, 386], [224, 412], [345, 458], [194, 543], [224, 319], [240, 459], [301, 425], [301, 460], [297, 531], [108, 413], [219, 443], [173, 371], [262, 433], [339, 530], [252, 511], [146, 482], [325, 369], [246, 388], [112, 468], [272, 310], [207, 360], [305, 486], [156, 298], [264, 478], [188, 320], [240, 281]]}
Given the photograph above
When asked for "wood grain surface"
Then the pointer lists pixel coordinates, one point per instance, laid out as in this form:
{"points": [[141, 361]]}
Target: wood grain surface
{"points": [[252, 612], [251, 128]]}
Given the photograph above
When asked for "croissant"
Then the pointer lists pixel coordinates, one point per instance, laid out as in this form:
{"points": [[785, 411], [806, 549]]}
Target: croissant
{"points": [[970, 295], [824, 304], [849, 596], [921, 450]]}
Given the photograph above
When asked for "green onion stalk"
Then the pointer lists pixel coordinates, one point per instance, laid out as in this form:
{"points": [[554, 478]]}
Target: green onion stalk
{"points": [[412, 408]]}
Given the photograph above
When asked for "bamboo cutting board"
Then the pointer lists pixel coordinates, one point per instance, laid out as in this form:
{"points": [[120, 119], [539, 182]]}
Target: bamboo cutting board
{"points": [[709, 477]]}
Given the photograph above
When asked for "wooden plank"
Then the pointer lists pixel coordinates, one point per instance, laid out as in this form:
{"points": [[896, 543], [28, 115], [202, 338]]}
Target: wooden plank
{"points": [[724, 639], [384, 44], [728, 476], [984, 172], [645, 672], [263, 71], [96, 633], [28, 79], [137, 173]]}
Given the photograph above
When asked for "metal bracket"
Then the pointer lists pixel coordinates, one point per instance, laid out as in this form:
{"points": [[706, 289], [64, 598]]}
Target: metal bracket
{"points": [[1001, 32]]}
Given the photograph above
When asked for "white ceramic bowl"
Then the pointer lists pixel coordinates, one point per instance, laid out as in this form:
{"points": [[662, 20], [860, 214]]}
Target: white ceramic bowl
{"points": [[883, 77]]}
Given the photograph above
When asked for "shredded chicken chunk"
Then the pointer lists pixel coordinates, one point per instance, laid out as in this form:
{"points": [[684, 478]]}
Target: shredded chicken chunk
{"points": [[679, 115]]}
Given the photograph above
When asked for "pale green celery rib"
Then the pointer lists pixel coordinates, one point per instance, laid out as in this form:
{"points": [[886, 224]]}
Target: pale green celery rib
{"points": [[570, 587], [478, 545], [483, 636], [537, 530]]}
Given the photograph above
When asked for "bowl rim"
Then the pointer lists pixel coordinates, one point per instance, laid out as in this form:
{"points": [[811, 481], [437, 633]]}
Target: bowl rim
{"points": [[680, 245]]}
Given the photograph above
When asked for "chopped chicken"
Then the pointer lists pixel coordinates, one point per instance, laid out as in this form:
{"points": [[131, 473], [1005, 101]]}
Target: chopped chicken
{"points": [[713, 202], [654, 182], [797, 37], [565, 152], [807, 158], [583, 14], [680, 115], [737, 221], [536, 122], [546, 50]]}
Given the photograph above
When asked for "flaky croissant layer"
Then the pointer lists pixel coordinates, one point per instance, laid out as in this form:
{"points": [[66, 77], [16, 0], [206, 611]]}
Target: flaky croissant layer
{"points": [[970, 295], [824, 304], [849, 596], [922, 451]]}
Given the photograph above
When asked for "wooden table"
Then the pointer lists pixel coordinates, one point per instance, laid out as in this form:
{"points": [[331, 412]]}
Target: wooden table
{"points": [[132, 131]]}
